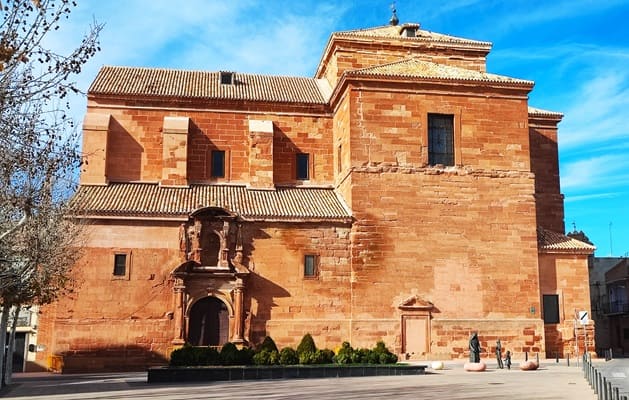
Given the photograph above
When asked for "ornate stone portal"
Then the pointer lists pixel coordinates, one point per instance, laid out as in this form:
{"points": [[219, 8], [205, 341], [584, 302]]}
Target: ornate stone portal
{"points": [[213, 266]]}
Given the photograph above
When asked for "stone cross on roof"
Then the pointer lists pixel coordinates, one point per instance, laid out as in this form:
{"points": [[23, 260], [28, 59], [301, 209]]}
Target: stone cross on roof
{"points": [[394, 19]]}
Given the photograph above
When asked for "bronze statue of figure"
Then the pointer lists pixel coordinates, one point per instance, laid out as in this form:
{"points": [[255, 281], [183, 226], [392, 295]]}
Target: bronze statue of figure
{"points": [[474, 348], [499, 354]]}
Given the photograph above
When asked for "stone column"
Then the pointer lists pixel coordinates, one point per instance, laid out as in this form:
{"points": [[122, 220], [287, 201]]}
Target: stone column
{"points": [[95, 137], [261, 155], [238, 312], [175, 151], [179, 313]]}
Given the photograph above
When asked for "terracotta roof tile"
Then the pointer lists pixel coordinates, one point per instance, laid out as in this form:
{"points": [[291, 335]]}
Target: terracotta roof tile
{"points": [[413, 67], [549, 241], [152, 200], [184, 84], [389, 31], [538, 112]]}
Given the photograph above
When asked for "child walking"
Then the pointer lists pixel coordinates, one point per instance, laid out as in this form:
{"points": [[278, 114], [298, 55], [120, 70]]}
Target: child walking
{"points": [[508, 359]]}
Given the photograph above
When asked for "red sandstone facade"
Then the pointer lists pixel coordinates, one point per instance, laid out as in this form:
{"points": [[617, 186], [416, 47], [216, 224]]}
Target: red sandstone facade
{"points": [[402, 194]]}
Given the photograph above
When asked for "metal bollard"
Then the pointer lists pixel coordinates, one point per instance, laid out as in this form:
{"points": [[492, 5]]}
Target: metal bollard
{"points": [[568, 359], [608, 390], [556, 357], [526, 356], [595, 382]]}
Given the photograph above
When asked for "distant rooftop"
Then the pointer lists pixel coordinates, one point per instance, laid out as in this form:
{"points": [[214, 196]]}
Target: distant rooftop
{"points": [[558, 242]]}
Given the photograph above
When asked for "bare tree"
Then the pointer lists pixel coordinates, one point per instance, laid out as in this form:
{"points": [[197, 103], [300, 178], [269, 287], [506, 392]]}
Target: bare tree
{"points": [[39, 239]]}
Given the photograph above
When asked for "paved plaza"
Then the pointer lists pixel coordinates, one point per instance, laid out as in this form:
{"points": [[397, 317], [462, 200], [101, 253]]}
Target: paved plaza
{"points": [[551, 381]]}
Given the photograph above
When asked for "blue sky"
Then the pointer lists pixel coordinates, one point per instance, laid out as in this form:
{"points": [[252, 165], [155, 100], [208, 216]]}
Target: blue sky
{"points": [[576, 51]]}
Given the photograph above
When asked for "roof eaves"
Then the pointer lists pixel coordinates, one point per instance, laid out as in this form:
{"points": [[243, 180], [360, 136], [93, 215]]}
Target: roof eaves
{"points": [[538, 112], [449, 80], [550, 242]]}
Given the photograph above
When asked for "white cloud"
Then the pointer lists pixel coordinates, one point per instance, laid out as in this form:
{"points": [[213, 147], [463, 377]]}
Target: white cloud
{"points": [[598, 111], [596, 173]]}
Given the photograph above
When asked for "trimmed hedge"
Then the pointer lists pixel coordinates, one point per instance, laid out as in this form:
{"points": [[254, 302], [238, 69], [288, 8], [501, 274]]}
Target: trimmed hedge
{"points": [[267, 354]]}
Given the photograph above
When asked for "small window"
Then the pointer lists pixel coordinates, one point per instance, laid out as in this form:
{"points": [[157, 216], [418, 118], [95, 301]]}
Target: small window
{"points": [[440, 139], [551, 308], [310, 266], [227, 78], [303, 166], [218, 164], [339, 158], [120, 265], [409, 32]]}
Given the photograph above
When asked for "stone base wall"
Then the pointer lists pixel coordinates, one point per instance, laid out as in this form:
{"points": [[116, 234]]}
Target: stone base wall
{"points": [[451, 337]]}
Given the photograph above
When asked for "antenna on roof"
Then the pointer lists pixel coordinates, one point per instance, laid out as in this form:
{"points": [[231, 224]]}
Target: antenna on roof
{"points": [[394, 19]]}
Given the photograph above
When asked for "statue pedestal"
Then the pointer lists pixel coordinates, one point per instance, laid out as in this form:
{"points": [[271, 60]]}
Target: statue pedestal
{"points": [[475, 367], [529, 365]]}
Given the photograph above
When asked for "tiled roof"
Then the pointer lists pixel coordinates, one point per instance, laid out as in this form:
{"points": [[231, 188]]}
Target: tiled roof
{"points": [[152, 200], [390, 31], [415, 68], [538, 112], [550, 241], [184, 84]]}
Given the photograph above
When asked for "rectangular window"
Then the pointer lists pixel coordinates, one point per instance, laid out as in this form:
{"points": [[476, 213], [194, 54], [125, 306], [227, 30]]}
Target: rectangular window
{"points": [[218, 164], [440, 139], [339, 159], [303, 166], [551, 308], [227, 78], [310, 266], [120, 265]]}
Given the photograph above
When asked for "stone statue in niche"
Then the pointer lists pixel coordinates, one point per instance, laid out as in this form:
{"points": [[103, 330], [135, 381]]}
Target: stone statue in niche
{"points": [[213, 242], [184, 245], [223, 249]]}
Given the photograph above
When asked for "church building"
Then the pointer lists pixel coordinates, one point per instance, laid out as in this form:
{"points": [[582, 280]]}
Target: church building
{"points": [[402, 194]]}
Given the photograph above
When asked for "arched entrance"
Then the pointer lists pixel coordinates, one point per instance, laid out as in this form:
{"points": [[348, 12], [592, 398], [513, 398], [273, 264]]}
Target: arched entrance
{"points": [[208, 323]]}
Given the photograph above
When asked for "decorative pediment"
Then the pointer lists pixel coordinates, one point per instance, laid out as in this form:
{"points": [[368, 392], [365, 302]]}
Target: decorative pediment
{"points": [[416, 303]]}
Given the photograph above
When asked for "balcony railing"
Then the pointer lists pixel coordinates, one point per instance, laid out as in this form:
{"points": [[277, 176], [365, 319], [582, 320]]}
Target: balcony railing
{"points": [[616, 307]]}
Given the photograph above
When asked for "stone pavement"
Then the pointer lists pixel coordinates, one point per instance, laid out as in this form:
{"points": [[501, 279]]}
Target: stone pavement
{"points": [[551, 381], [616, 374]]}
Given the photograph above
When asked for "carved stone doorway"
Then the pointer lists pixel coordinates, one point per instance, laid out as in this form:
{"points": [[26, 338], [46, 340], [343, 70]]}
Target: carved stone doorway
{"points": [[210, 284], [209, 323], [416, 316]]}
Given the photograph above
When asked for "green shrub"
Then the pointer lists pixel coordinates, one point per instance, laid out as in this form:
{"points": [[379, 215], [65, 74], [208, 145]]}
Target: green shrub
{"points": [[307, 357], [266, 357], [372, 357], [360, 356], [288, 356], [190, 356], [230, 355], [325, 356], [268, 344], [382, 355], [307, 345], [344, 354], [245, 356]]}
